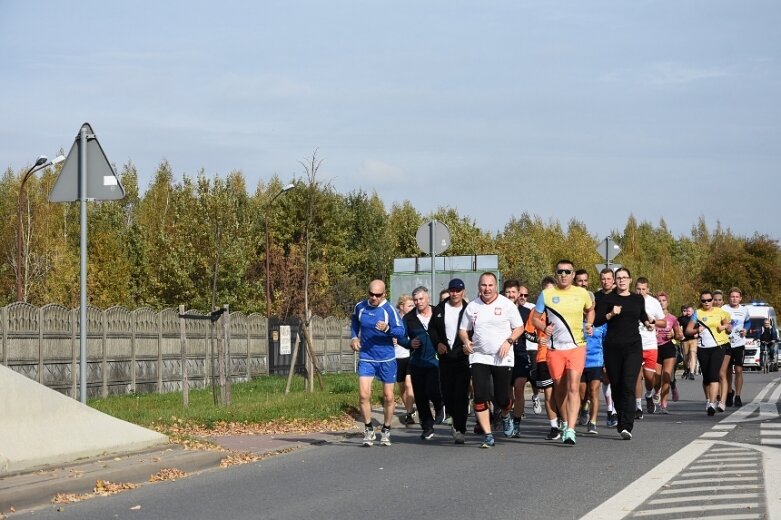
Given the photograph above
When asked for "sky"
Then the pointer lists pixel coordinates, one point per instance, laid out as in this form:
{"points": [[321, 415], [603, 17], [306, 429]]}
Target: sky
{"points": [[566, 110]]}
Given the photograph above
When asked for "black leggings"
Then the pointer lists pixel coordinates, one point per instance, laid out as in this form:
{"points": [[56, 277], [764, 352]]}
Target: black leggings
{"points": [[482, 376], [710, 362], [622, 364]]}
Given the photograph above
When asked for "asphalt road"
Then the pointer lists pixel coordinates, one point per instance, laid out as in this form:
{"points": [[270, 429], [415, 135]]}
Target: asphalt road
{"points": [[602, 476]]}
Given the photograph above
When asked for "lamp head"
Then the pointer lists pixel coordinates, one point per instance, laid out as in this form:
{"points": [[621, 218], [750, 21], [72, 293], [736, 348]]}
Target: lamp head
{"points": [[288, 187], [58, 159], [42, 159]]}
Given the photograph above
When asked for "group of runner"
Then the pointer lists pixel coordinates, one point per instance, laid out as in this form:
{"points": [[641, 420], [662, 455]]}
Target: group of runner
{"points": [[568, 345]]}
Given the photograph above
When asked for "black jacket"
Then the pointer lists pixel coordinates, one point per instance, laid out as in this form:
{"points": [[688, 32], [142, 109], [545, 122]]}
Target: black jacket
{"points": [[455, 352]]}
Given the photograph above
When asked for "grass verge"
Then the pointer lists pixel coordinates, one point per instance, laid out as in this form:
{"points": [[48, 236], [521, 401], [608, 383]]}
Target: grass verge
{"points": [[257, 405]]}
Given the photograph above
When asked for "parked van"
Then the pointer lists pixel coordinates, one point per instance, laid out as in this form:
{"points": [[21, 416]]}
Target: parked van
{"points": [[759, 312]]}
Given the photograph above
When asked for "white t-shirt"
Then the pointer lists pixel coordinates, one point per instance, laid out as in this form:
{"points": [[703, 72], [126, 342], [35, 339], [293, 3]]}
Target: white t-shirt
{"points": [[654, 311], [492, 324], [451, 322], [740, 319]]}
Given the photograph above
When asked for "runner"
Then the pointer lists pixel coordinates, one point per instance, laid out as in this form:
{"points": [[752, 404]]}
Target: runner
{"points": [[741, 322], [648, 334], [622, 311], [543, 380], [565, 306], [403, 379], [666, 353], [713, 325]]}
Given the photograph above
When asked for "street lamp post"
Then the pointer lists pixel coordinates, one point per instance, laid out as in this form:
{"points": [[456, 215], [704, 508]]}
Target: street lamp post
{"points": [[268, 241], [40, 163]]}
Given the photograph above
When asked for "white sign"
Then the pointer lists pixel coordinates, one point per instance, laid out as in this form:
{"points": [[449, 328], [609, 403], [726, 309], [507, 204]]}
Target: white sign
{"points": [[284, 340]]}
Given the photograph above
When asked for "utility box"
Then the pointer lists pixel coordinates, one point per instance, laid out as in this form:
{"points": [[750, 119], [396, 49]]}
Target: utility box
{"points": [[409, 273]]}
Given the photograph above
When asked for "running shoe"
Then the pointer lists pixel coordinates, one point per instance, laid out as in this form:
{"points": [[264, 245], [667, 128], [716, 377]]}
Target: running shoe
{"points": [[440, 417], [488, 442], [663, 409], [650, 406], [368, 437], [675, 394], [626, 435], [458, 437], [720, 406], [449, 420], [385, 437], [639, 413], [407, 419], [568, 437], [657, 398], [507, 425], [612, 419], [583, 417], [553, 434], [536, 406], [730, 396], [711, 410], [738, 401], [591, 428], [517, 429], [427, 434]]}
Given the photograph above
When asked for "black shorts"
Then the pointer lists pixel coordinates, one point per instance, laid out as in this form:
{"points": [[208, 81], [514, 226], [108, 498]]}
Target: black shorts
{"points": [[710, 363], [665, 351], [738, 353], [591, 374], [402, 369], [491, 383], [522, 367], [543, 379]]}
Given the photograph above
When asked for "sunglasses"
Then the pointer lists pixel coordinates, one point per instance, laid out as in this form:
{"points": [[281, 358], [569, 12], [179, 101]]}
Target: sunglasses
{"points": [[524, 295], [706, 300], [376, 295], [563, 271]]}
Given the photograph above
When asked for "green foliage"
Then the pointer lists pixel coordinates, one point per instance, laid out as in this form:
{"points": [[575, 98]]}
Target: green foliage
{"points": [[164, 246]]}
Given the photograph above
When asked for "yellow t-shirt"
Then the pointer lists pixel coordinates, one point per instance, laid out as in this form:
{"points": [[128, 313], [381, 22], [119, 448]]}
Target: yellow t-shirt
{"points": [[711, 337], [564, 309]]}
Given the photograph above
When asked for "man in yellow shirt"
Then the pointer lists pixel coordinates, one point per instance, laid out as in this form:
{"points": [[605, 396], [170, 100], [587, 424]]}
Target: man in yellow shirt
{"points": [[565, 306]]}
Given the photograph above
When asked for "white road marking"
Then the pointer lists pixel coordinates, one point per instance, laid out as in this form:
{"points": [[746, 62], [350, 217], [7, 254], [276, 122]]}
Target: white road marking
{"points": [[713, 435], [684, 481], [720, 496], [708, 489], [692, 509]]}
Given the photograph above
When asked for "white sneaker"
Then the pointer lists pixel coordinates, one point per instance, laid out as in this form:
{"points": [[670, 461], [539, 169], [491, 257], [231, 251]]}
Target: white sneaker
{"points": [[385, 437], [368, 437], [536, 406], [657, 398]]}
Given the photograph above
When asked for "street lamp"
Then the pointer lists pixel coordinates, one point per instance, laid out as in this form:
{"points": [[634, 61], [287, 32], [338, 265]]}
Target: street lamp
{"points": [[268, 262], [40, 163]]}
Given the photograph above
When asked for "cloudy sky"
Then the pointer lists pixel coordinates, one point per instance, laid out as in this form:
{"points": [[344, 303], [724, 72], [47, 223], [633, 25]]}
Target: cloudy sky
{"points": [[589, 110]]}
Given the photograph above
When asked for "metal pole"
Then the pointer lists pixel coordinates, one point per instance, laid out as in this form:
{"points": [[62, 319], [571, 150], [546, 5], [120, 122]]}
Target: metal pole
{"points": [[433, 225], [83, 264]]}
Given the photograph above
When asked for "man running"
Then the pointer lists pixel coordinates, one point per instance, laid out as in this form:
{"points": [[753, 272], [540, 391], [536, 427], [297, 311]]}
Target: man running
{"points": [[374, 324], [655, 313], [565, 307], [741, 322], [496, 324]]}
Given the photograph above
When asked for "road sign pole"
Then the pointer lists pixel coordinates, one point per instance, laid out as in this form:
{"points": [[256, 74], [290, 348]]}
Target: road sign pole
{"points": [[83, 266], [433, 252]]}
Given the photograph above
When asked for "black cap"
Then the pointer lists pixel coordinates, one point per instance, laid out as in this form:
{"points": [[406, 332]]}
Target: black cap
{"points": [[456, 284]]}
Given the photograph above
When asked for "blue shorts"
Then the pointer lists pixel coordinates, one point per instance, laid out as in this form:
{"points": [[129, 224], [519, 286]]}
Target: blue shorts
{"points": [[384, 371]]}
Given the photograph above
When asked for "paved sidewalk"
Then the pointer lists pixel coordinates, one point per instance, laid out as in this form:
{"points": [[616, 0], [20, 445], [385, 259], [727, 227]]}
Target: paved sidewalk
{"points": [[32, 489]]}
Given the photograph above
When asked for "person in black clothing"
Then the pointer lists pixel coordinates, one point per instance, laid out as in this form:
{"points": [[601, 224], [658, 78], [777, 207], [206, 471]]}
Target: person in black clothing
{"points": [[623, 349], [767, 337], [689, 343], [454, 374]]}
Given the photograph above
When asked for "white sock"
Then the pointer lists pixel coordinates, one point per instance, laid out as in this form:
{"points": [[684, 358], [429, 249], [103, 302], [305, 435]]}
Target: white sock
{"points": [[554, 423], [637, 404]]}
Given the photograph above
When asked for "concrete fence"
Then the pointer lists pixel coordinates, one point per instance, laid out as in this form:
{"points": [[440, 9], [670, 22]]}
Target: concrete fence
{"points": [[140, 350]]}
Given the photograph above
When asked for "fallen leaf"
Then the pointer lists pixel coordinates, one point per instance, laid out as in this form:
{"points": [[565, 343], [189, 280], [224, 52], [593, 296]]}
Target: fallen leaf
{"points": [[135, 508], [167, 474]]}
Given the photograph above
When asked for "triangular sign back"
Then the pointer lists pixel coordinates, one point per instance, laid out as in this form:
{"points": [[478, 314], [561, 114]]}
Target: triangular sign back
{"points": [[102, 181]]}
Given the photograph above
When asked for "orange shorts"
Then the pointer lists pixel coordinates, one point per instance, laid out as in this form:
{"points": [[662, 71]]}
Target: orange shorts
{"points": [[561, 360], [649, 359]]}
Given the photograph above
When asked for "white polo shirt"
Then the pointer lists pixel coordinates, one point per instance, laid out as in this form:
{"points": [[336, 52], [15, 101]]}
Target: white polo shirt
{"points": [[492, 324]]}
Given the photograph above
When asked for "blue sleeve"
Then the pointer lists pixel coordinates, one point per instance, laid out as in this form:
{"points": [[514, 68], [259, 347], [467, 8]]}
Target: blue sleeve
{"points": [[397, 329], [694, 317], [355, 325], [540, 307]]}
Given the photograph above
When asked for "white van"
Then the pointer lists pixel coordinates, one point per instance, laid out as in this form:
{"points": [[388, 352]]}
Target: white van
{"points": [[759, 312]]}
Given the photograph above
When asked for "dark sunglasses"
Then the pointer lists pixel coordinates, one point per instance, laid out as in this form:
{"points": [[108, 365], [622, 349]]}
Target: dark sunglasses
{"points": [[525, 295], [376, 295], [706, 300], [564, 271]]}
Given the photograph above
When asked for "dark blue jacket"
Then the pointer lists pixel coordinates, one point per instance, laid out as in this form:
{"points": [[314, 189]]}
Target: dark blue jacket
{"points": [[426, 354]]}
